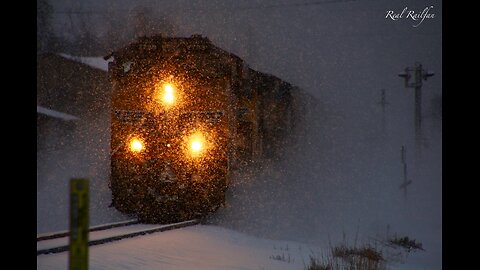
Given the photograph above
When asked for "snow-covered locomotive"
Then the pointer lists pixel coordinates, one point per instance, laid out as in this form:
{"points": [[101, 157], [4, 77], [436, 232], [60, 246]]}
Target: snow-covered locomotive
{"points": [[185, 113]]}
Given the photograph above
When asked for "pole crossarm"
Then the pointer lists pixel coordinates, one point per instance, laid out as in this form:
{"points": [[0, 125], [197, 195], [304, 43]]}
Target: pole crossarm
{"points": [[419, 73]]}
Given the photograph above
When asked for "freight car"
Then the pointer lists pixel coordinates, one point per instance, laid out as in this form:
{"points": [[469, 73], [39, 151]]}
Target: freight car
{"points": [[184, 115]]}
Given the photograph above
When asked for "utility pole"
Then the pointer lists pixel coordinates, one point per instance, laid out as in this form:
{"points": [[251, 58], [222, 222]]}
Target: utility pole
{"points": [[383, 102], [420, 75], [406, 182]]}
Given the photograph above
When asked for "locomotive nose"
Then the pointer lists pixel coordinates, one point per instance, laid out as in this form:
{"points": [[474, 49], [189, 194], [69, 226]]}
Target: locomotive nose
{"points": [[167, 174]]}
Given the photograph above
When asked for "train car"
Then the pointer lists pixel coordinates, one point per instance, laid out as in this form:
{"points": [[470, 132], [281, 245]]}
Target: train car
{"points": [[184, 115]]}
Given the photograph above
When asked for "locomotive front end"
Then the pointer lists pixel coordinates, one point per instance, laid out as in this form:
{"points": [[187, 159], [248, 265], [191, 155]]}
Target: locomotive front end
{"points": [[169, 132]]}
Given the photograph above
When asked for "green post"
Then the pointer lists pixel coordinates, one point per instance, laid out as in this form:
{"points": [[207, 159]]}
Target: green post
{"points": [[78, 251]]}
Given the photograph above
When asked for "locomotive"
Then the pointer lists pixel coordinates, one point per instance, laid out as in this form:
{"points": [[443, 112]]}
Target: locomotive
{"points": [[185, 114]]}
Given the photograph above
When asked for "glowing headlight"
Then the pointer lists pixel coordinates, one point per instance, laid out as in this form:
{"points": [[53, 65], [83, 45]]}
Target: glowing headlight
{"points": [[196, 144], [169, 96], [166, 94], [136, 145]]}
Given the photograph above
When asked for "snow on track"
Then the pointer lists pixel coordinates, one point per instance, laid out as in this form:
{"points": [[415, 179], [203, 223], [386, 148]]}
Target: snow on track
{"points": [[48, 236], [97, 237]]}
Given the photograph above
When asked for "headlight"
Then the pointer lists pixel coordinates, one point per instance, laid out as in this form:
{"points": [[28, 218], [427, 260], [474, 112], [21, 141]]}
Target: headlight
{"points": [[197, 144], [136, 145], [169, 96], [166, 94]]}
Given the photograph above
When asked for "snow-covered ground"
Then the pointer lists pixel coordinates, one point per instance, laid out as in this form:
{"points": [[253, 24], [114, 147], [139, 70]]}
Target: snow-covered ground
{"points": [[200, 247]]}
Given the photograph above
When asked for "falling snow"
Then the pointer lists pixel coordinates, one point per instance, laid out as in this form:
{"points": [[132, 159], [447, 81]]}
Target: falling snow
{"points": [[340, 179]]}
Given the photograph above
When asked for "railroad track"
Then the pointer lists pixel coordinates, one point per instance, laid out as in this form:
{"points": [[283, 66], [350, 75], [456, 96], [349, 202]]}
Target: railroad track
{"points": [[59, 242]]}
